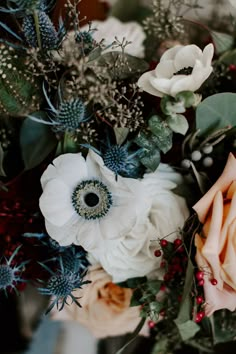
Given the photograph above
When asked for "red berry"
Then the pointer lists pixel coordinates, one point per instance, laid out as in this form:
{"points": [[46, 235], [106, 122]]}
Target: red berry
{"points": [[179, 298], [199, 275], [199, 300], [151, 324], [164, 243], [157, 253], [177, 242], [232, 67], [163, 287], [201, 282], [214, 281], [199, 316]]}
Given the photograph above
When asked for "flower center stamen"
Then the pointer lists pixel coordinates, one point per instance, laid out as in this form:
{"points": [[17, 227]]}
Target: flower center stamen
{"points": [[91, 199], [185, 71]]}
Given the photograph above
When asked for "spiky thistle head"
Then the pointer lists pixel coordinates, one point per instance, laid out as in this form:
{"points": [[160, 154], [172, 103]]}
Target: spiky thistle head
{"points": [[74, 260], [85, 41], [47, 36], [10, 273], [115, 158], [71, 113], [61, 285]]}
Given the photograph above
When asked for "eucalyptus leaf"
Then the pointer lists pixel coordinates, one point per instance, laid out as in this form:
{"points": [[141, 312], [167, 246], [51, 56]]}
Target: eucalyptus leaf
{"points": [[178, 123], [118, 66], [216, 111], [2, 172], [161, 130], [135, 299], [121, 135], [229, 57], [188, 329], [36, 141], [152, 159], [222, 41]]}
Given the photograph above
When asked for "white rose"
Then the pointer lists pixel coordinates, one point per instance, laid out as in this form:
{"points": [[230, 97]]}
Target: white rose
{"points": [[181, 68], [132, 255]]}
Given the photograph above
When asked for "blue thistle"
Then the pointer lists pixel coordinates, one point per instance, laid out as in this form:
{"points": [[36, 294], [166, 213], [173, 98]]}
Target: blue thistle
{"points": [[118, 159], [10, 273], [71, 113], [74, 260], [60, 285], [47, 32], [85, 41]]}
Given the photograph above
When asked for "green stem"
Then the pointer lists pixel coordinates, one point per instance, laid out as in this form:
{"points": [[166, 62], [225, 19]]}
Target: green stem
{"points": [[37, 28]]}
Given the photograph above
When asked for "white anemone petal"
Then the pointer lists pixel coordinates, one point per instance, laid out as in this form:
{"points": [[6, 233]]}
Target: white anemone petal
{"points": [[144, 83], [187, 56], [55, 202]]}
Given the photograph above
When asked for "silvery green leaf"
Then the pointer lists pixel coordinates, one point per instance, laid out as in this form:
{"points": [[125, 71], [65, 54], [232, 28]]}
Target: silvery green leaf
{"points": [[152, 159], [188, 329], [121, 134], [222, 41], [216, 111], [163, 133], [178, 123]]}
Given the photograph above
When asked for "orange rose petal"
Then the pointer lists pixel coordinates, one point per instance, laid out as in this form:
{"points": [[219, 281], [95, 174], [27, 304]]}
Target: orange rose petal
{"points": [[210, 250], [231, 190], [229, 174], [229, 265], [218, 299], [230, 215]]}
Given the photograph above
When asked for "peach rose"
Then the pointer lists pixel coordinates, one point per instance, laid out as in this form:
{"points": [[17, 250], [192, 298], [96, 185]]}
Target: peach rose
{"points": [[105, 307], [216, 246]]}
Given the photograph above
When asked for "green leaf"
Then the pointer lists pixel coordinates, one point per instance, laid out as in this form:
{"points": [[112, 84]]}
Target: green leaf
{"points": [[178, 123], [121, 134], [152, 159], [2, 172], [133, 335], [184, 314], [36, 141], [188, 329], [216, 111], [202, 179], [187, 96], [161, 130], [222, 41], [118, 66], [229, 57], [133, 283], [154, 286], [161, 346], [135, 299]]}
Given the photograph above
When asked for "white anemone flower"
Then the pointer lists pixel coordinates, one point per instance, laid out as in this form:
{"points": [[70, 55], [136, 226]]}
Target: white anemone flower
{"points": [[181, 68], [84, 204], [112, 28], [233, 2]]}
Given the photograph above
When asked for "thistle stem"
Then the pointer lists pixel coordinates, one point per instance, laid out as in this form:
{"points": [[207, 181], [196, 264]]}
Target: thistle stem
{"points": [[37, 29]]}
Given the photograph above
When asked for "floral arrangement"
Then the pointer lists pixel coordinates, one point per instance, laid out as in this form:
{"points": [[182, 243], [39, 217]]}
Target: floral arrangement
{"points": [[118, 169]]}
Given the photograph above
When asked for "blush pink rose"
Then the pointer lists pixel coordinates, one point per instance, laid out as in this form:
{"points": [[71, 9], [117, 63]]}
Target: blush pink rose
{"points": [[216, 245], [105, 307]]}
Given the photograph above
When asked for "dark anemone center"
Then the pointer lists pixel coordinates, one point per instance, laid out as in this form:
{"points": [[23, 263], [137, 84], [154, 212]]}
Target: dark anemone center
{"points": [[185, 71], [91, 199]]}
